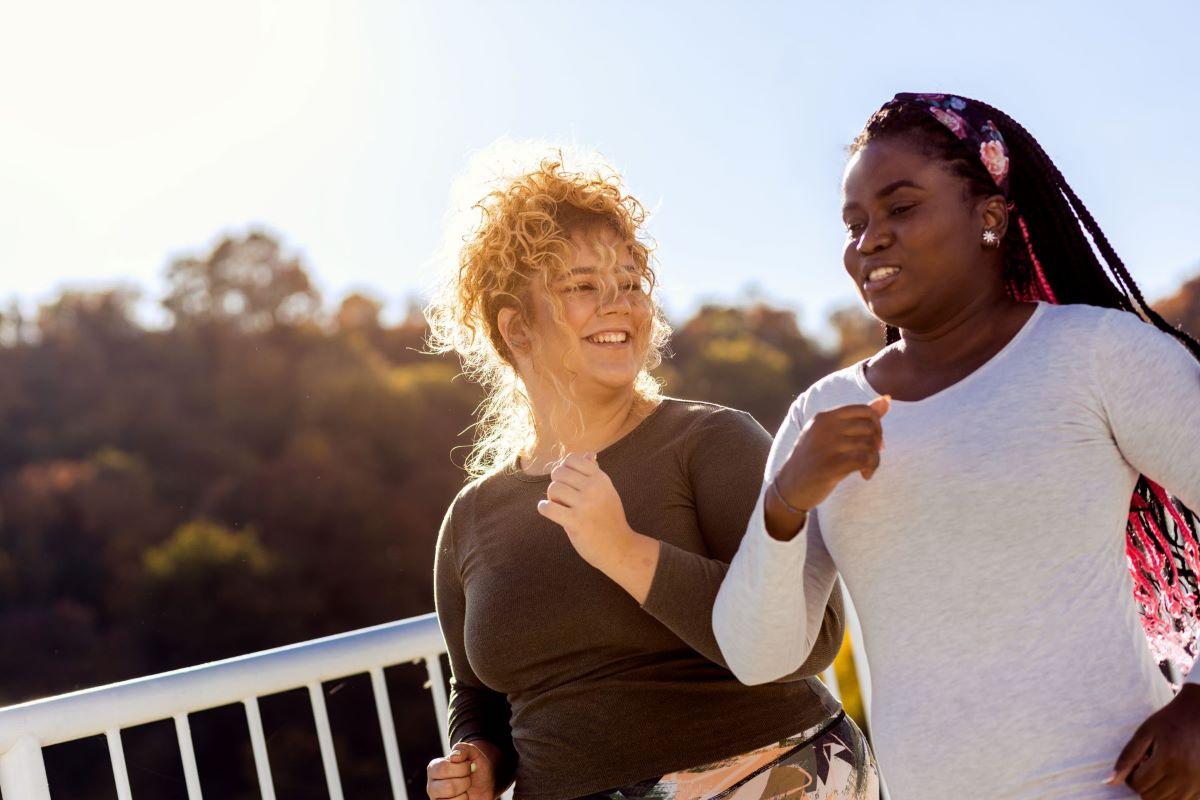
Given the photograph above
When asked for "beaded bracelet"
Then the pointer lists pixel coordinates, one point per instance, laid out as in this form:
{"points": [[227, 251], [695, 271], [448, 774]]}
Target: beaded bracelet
{"points": [[782, 499]]}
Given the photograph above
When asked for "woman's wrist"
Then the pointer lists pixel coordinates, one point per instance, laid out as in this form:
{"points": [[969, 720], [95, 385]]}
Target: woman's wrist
{"points": [[611, 549], [492, 754], [791, 509], [783, 519], [631, 562]]}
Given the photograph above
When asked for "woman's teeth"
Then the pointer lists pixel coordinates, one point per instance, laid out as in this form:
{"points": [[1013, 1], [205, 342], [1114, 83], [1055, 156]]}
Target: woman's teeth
{"points": [[881, 273], [608, 338]]}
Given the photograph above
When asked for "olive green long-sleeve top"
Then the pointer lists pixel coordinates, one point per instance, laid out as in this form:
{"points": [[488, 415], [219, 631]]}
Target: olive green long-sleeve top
{"points": [[580, 687]]}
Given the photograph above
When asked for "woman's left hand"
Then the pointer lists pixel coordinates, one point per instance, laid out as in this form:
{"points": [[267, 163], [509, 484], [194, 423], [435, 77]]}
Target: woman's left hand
{"points": [[582, 499], [1162, 760]]}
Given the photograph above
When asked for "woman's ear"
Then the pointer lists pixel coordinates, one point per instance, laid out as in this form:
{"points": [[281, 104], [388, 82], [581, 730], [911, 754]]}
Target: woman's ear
{"points": [[513, 329], [995, 215]]}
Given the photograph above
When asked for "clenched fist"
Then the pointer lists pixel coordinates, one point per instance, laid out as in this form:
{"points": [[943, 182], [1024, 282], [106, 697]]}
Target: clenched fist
{"points": [[832, 445], [581, 498], [465, 774]]}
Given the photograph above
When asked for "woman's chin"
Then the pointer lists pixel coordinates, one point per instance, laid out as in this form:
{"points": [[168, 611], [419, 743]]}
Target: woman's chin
{"points": [[613, 380], [890, 310]]}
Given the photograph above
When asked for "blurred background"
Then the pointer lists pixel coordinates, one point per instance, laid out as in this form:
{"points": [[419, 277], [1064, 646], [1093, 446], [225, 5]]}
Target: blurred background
{"points": [[218, 432]]}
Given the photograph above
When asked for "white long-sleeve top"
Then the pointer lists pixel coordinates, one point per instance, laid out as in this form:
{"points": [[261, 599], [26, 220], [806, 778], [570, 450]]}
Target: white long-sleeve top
{"points": [[986, 559]]}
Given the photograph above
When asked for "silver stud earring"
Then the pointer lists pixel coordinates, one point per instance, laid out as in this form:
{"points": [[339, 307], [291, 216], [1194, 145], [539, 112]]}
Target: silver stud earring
{"points": [[990, 239]]}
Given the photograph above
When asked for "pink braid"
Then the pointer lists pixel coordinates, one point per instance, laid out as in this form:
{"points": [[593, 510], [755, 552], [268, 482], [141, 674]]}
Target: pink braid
{"points": [[1047, 293]]}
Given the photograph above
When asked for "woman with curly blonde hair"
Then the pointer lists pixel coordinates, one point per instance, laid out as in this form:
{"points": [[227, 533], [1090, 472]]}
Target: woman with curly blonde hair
{"points": [[584, 664]]}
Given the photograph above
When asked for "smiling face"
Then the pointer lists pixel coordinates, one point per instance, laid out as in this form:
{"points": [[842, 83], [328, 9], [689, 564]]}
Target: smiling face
{"points": [[594, 332], [914, 236]]}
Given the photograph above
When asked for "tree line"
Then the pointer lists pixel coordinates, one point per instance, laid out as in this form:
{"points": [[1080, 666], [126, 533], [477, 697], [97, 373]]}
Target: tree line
{"points": [[263, 471]]}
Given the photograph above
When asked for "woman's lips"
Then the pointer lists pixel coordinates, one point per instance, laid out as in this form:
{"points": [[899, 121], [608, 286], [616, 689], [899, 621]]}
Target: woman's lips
{"points": [[880, 278]]}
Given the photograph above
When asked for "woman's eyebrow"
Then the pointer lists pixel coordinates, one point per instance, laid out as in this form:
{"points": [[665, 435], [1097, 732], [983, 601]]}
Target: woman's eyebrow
{"points": [[894, 186], [903, 183]]}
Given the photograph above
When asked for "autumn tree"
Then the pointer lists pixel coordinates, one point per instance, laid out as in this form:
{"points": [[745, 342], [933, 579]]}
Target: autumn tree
{"points": [[81, 315], [859, 334], [754, 358], [1182, 309], [358, 312], [248, 282]]}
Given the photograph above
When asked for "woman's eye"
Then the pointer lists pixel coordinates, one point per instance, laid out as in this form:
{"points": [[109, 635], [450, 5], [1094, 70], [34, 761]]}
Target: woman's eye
{"points": [[898, 210], [854, 228], [580, 287]]}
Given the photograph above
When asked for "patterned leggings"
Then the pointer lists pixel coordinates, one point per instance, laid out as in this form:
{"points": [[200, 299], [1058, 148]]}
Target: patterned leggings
{"points": [[829, 762]]}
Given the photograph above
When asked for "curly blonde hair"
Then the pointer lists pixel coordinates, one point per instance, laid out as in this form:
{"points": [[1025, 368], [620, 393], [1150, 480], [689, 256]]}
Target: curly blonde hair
{"points": [[521, 242]]}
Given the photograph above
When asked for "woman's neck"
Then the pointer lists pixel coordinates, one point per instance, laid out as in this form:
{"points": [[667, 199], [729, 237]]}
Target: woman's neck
{"points": [[977, 327], [932, 357], [587, 425]]}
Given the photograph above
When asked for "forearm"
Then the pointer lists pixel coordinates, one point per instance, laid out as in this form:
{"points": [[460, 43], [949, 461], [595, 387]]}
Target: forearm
{"points": [[674, 586], [684, 592], [828, 640], [630, 562], [764, 619], [635, 561]]}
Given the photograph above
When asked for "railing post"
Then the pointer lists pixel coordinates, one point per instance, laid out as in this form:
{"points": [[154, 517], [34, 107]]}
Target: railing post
{"points": [[437, 685], [829, 676], [862, 670], [23, 772]]}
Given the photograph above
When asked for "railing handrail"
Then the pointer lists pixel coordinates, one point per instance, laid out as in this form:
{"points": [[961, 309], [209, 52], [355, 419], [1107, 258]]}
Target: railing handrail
{"points": [[89, 712]]}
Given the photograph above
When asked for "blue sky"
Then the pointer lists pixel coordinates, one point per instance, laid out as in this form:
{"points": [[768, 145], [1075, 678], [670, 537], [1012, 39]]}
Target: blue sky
{"points": [[132, 131]]}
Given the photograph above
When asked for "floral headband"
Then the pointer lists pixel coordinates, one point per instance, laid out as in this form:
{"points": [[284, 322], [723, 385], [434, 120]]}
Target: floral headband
{"points": [[970, 124]]}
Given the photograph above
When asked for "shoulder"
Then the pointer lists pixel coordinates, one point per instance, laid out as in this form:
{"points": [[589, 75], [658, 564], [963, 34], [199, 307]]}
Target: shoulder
{"points": [[697, 416], [702, 432], [461, 511], [717, 441], [841, 388], [1077, 318], [1106, 333]]}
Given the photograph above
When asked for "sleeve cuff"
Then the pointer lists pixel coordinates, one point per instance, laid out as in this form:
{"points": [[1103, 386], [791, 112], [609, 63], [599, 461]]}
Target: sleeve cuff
{"points": [[661, 580], [777, 547]]}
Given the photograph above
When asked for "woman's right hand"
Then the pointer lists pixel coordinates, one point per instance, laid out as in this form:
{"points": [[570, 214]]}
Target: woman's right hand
{"points": [[832, 445], [465, 774]]}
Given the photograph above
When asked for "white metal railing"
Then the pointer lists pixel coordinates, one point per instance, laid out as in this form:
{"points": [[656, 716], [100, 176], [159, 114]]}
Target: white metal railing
{"points": [[862, 672], [25, 729]]}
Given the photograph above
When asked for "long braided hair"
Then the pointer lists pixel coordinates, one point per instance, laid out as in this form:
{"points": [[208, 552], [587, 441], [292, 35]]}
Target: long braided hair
{"points": [[1056, 252]]}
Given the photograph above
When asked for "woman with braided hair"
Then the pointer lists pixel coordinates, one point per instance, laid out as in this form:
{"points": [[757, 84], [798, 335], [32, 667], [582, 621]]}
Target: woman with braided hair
{"points": [[1022, 554]]}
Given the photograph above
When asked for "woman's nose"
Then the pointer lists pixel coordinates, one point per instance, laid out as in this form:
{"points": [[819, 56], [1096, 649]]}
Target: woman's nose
{"points": [[612, 300], [874, 238]]}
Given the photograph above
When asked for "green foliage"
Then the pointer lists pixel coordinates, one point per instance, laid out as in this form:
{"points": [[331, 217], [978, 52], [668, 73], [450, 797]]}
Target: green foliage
{"points": [[202, 547], [210, 578]]}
